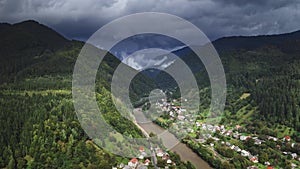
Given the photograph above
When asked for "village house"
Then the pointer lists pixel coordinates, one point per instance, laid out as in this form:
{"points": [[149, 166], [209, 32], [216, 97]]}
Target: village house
{"points": [[189, 130], [215, 138], [165, 156], [253, 159], [293, 145], [169, 161], [147, 162], [210, 128], [180, 117], [287, 138], [267, 163], [278, 146], [228, 144], [293, 165], [171, 114], [142, 149], [228, 133], [133, 162], [257, 141], [272, 138], [159, 152], [141, 156], [294, 155], [245, 153], [121, 165], [237, 149], [237, 127], [243, 138], [236, 135], [200, 140]]}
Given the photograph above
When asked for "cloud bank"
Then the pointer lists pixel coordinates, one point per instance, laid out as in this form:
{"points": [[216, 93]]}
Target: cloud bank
{"points": [[78, 19]]}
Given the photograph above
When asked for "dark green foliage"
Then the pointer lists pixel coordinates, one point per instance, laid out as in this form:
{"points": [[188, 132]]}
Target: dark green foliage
{"points": [[39, 127], [225, 151], [45, 134]]}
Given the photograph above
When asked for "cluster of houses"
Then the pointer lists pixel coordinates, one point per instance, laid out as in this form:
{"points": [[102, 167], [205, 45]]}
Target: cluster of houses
{"points": [[244, 153], [164, 155], [293, 155], [221, 129], [269, 167], [142, 163], [255, 167], [185, 119], [174, 111], [136, 163], [224, 132]]}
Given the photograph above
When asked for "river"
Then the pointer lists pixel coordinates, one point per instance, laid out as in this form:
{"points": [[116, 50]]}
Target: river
{"points": [[169, 140]]}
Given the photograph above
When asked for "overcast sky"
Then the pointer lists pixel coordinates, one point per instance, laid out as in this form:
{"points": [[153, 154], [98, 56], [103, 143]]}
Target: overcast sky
{"points": [[78, 19]]}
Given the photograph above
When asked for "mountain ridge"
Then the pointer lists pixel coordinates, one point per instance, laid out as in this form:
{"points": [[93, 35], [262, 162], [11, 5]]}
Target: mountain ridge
{"points": [[33, 49], [36, 88]]}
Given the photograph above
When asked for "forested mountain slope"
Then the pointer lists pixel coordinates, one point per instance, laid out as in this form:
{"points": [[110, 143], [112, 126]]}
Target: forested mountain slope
{"points": [[39, 127], [266, 67], [262, 102]]}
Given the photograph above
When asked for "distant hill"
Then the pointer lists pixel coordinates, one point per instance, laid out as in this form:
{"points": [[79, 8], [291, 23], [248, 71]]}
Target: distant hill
{"points": [[268, 67], [24, 44], [288, 43], [30, 49], [27, 35], [253, 42]]}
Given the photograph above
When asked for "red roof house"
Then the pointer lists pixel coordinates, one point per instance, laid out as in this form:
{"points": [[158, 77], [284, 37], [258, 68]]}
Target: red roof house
{"points": [[287, 138], [141, 149], [147, 162], [254, 159], [133, 162]]}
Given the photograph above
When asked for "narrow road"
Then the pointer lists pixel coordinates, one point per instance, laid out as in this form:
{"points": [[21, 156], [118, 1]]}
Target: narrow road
{"points": [[153, 156]]}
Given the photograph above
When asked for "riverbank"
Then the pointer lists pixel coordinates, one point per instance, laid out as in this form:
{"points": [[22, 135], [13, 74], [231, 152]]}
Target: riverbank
{"points": [[169, 140]]}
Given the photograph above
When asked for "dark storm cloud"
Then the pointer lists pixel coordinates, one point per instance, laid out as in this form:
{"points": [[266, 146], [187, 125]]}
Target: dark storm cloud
{"points": [[79, 19]]}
